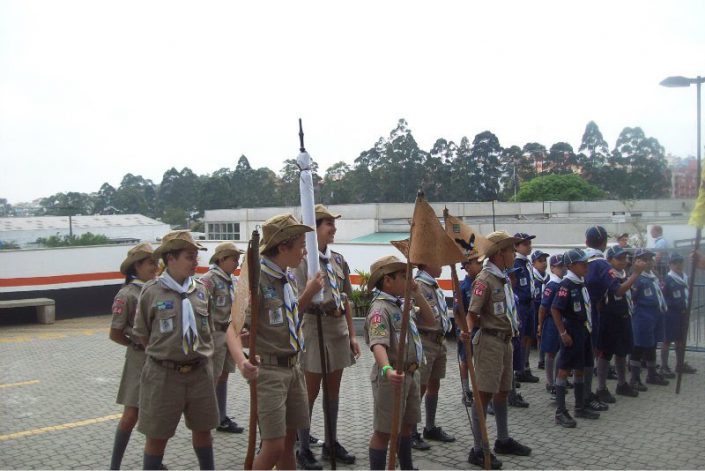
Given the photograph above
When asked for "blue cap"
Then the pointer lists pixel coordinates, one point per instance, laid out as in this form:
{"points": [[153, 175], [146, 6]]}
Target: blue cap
{"points": [[523, 236], [574, 256], [538, 254], [643, 253], [615, 252], [556, 260], [676, 258], [596, 235]]}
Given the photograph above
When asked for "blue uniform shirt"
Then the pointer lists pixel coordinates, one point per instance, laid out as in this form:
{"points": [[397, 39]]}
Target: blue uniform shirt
{"points": [[549, 293], [645, 298], [538, 283], [569, 300], [522, 288], [600, 280], [674, 292], [466, 289]]}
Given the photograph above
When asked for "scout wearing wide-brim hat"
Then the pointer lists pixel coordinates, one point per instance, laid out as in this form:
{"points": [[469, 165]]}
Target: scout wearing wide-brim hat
{"points": [[496, 241], [135, 254], [280, 228], [226, 249], [323, 213], [177, 240], [384, 266]]}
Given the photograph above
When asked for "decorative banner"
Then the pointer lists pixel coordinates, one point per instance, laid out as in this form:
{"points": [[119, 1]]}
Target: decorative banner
{"points": [[467, 239], [430, 245]]}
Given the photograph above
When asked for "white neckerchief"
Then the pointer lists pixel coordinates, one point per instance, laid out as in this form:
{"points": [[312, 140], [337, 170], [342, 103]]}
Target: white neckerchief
{"points": [[593, 253], [189, 330], [681, 280], [291, 303], [442, 306], [233, 281], [413, 330], [529, 268], [542, 279], [137, 282], [331, 276], [510, 302], [586, 296], [651, 276], [623, 275], [555, 278]]}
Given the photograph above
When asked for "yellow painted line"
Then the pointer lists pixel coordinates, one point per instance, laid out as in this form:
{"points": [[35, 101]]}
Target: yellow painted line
{"points": [[54, 428], [23, 383]]}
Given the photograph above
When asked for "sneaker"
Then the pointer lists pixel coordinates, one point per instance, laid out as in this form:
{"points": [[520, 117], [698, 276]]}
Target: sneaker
{"points": [[509, 446], [230, 426], [666, 372], [307, 460], [477, 457], [467, 399], [612, 373], [656, 379], [686, 369], [638, 386], [605, 396], [418, 443], [438, 434], [515, 400], [541, 365], [313, 441], [564, 419], [341, 454], [526, 377], [626, 390], [595, 404], [586, 413]]}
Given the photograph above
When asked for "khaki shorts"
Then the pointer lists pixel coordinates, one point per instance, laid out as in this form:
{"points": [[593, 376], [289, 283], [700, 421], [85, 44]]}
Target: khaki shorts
{"points": [[337, 344], [493, 363], [166, 394], [383, 395], [282, 401], [435, 366], [222, 360], [129, 391]]}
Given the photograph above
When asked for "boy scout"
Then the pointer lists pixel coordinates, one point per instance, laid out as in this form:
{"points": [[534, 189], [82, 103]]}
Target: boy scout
{"points": [[493, 310], [382, 326], [434, 347], [524, 290], [220, 284], [539, 265], [281, 387], [338, 334], [138, 267], [676, 293], [547, 332], [174, 322]]}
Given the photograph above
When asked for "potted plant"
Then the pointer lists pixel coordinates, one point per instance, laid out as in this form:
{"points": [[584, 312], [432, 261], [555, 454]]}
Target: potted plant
{"points": [[361, 296]]}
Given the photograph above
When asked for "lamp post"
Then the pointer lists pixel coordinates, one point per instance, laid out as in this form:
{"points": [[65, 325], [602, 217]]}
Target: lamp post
{"points": [[678, 81]]}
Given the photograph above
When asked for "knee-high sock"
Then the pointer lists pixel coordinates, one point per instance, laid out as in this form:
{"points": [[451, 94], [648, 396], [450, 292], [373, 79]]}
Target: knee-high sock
{"points": [[560, 395], [651, 367], [579, 391], [122, 438], [501, 418], [550, 364], [378, 458], [476, 433], [587, 379], [221, 393], [405, 460], [620, 364], [526, 353], [664, 355], [152, 461], [603, 367], [305, 433], [205, 457], [636, 371], [431, 407], [333, 405]]}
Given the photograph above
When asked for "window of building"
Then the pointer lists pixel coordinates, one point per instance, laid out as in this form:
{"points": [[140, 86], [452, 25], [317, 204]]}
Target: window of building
{"points": [[224, 230]]}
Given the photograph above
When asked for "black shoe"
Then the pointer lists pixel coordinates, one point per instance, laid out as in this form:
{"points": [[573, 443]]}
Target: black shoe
{"points": [[638, 386], [467, 399], [611, 373], [686, 369], [586, 413], [656, 379], [510, 446], [667, 373], [605, 396], [341, 454], [307, 460], [568, 384], [515, 400], [626, 390], [564, 419], [541, 365], [418, 443], [313, 441], [163, 467], [478, 459], [595, 404], [526, 377], [438, 434], [230, 426]]}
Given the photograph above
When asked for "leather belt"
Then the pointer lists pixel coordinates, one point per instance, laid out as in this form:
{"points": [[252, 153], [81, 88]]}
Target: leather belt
{"points": [[503, 336], [433, 336], [316, 310], [282, 361], [182, 367], [137, 346]]}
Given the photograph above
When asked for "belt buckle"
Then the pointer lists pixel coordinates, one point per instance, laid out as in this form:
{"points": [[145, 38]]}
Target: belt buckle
{"points": [[183, 369], [412, 367], [337, 312]]}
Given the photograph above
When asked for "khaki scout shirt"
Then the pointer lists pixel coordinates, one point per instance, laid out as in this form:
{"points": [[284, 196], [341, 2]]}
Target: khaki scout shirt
{"points": [[272, 325], [218, 284], [124, 309], [159, 319], [333, 325], [430, 294], [488, 301], [382, 327]]}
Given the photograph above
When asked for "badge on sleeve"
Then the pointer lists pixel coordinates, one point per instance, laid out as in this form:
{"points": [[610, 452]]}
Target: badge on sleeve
{"points": [[480, 288], [563, 292], [547, 292], [118, 306], [201, 295]]}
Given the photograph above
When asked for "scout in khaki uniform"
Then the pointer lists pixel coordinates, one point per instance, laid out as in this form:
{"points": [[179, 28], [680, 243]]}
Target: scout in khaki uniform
{"points": [[338, 334], [139, 267], [493, 310], [434, 347], [220, 284], [388, 276], [175, 324], [281, 387]]}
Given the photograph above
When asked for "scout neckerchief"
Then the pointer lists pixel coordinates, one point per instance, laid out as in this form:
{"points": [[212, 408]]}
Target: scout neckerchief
{"points": [[653, 279], [540, 279], [441, 305], [586, 297], [510, 304], [332, 279], [623, 276], [681, 280], [529, 268], [416, 337], [554, 278], [189, 331], [231, 280], [593, 254], [137, 282], [291, 304]]}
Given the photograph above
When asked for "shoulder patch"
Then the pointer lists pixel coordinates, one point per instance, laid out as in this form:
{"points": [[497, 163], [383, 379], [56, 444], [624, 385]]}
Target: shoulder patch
{"points": [[547, 291], [563, 292], [480, 287], [375, 316], [612, 272], [118, 306]]}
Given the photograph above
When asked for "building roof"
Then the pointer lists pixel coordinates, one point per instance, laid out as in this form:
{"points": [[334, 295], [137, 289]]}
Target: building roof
{"points": [[77, 222]]}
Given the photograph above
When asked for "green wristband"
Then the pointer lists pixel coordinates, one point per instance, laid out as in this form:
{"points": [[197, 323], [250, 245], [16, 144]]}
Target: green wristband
{"points": [[383, 372]]}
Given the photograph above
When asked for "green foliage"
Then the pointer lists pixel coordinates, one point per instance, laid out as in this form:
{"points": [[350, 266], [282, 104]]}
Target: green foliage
{"points": [[73, 241], [361, 296], [8, 245], [559, 188]]}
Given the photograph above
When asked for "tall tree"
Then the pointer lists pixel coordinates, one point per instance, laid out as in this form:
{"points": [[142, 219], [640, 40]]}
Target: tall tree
{"points": [[136, 195], [485, 173], [561, 159], [593, 146], [104, 203], [642, 159], [536, 153], [334, 189]]}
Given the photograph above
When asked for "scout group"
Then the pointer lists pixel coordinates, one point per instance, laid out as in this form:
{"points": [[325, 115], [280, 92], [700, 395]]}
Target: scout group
{"points": [[583, 308]]}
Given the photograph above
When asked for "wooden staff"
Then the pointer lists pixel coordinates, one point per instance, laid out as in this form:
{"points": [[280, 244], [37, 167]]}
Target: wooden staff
{"points": [[253, 272], [680, 350]]}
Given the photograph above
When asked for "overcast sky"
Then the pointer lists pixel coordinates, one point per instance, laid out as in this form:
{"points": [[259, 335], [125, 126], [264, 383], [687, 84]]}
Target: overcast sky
{"points": [[92, 90]]}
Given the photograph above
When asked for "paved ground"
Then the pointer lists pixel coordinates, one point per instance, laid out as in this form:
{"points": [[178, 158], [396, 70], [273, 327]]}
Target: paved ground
{"points": [[57, 410]]}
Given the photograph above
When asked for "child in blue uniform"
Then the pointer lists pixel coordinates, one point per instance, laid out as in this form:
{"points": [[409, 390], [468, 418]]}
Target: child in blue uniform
{"points": [[472, 267], [547, 332], [539, 262], [647, 323], [524, 289]]}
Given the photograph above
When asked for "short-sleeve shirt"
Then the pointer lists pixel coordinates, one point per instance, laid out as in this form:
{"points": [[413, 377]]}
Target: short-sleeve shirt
{"points": [[601, 279], [616, 305], [466, 289], [645, 297], [124, 308], [569, 301], [549, 293], [219, 286], [674, 292], [539, 282], [429, 292], [488, 301], [523, 284], [342, 275], [159, 319], [383, 325]]}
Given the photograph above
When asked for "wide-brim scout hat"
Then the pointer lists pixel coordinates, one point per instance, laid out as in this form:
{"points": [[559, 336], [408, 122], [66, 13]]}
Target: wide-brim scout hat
{"points": [[496, 241], [323, 213], [177, 240], [384, 266], [280, 228], [223, 250], [135, 254]]}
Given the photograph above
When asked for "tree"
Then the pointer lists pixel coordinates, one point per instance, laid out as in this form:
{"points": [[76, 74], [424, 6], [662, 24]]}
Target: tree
{"points": [[485, 173], [5, 208], [640, 163], [516, 168], [438, 169], [333, 187], [593, 148], [136, 195], [178, 190], [104, 203], [535, 153], [215, 191], [561, 159], [559, 188], [65, 204]]}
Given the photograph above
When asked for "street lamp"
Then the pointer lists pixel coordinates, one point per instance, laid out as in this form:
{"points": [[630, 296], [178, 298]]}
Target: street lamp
{"points": [[678, 81]]}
